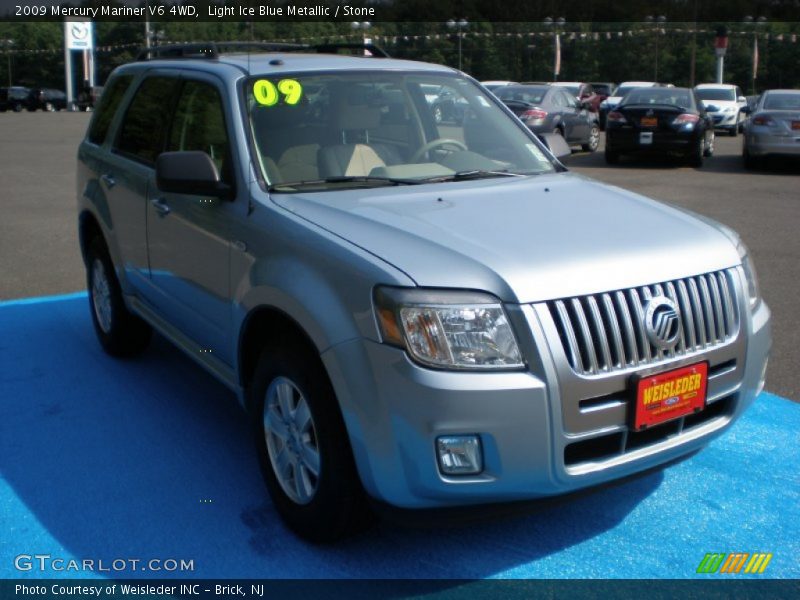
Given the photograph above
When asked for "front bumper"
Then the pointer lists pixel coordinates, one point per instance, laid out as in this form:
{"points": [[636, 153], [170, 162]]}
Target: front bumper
{"points": [[394, 411], [725, 120]]}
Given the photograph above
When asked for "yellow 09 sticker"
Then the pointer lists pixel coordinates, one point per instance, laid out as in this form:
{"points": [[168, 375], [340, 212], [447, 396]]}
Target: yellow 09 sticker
{"points": [[268, 94]]}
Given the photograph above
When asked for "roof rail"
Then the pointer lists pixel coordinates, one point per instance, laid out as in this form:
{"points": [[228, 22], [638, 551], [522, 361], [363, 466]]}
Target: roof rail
{"points": [[374, 51], [212, 50]]}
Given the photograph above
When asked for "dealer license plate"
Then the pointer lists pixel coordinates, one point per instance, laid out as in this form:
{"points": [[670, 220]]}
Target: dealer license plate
{"points": [[649, 121], [670, 395]]}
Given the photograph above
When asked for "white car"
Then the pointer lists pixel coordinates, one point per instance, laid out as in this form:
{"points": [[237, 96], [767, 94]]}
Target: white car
{"points": [[610, 103], [724, 102]]}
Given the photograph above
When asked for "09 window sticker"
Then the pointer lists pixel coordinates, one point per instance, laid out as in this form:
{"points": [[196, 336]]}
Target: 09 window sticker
{"points": [[268, 93]]}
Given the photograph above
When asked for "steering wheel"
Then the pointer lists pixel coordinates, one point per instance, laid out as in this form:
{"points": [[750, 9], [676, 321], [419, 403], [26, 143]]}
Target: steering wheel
{"points": [[435, 144]]}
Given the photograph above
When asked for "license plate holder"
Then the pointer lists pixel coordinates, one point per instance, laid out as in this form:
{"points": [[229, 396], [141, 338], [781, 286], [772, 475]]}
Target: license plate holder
{"points": [[646, 138], [669, 395]]}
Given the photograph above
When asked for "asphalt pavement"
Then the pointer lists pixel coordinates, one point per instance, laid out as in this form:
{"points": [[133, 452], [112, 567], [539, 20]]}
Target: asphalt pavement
{"points": [[39, 252]]}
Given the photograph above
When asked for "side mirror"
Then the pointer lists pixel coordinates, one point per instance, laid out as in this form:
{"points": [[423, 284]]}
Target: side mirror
{"points": [[746, 109], [556, 143], [189, 172], [741, 100]]}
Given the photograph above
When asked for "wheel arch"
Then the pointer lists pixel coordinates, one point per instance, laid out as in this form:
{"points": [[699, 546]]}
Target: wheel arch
{"points": [[268, 324]]}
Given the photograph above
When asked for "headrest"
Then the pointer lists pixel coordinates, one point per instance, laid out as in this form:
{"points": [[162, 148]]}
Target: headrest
{"points": [[358, 117]]}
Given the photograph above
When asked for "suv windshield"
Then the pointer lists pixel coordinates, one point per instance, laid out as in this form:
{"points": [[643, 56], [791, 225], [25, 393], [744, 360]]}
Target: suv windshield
{"points": [[716, 94], [320, 131]]}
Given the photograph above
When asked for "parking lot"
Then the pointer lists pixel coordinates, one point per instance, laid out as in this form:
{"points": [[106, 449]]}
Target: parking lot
{"points": [[39, 252]]}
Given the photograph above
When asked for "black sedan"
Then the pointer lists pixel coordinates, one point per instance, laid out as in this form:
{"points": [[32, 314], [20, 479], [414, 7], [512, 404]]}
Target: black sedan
{"points": [[660, 121], [551, 109]]}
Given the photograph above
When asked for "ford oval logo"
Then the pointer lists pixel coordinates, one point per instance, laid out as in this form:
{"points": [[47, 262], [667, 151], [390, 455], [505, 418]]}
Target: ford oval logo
{"points": [[662, 322]]}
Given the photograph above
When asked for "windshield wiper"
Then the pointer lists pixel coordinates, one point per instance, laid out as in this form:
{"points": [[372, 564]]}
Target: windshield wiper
{"points": [[284, 186], [472, 174]]}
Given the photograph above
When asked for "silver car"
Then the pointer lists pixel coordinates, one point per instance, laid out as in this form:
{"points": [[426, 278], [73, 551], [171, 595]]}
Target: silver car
{"points": [[415, 313], [773, 127]]}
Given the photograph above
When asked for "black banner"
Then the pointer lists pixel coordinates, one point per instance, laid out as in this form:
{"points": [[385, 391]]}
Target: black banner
{"points": [[711, 589]]}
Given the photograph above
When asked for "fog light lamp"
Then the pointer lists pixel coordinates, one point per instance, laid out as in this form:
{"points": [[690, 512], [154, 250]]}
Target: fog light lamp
{"points": [[459, 454]]}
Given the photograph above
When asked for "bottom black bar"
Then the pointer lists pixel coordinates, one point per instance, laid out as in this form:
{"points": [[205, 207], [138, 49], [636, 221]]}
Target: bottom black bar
{"points": [[252, 589]]}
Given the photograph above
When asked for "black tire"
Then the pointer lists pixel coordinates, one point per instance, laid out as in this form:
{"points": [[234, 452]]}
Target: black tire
{"points": [[594, 139], [438, 114], [750, 162], [695, 156], [337, 506], [121, 333], [612, 157], [734, 131], [18, 107]]}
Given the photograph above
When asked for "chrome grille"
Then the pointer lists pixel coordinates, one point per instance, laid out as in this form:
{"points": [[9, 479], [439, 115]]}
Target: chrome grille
{"points": [[605, 332]]}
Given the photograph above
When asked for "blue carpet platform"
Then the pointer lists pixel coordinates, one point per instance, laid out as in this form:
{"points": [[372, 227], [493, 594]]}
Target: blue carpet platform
{"points": [[151, 458]]}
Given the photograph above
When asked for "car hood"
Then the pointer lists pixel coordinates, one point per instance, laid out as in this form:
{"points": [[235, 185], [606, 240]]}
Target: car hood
{"points": [[612, 100], [523, 239]]}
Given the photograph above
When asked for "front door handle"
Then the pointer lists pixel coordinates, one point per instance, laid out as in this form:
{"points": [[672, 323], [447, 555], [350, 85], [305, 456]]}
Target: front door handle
{"points": [[161, 206], [109, 180]]}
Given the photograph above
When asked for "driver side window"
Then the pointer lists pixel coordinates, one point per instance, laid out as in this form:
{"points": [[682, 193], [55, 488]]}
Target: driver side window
{"points": [[199, 124]]}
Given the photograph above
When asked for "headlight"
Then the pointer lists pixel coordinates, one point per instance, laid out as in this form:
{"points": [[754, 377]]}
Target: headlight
{"points": [[448, 329], [731, 109], [749, 275]]}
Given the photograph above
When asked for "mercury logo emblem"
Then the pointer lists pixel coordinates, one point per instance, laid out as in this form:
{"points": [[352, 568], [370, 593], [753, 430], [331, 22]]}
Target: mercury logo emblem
{"points": [[662, 322]]}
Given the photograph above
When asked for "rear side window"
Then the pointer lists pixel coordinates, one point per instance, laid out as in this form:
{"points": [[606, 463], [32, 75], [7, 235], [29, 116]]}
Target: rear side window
{"points": [[109, 102], [141, 136]]}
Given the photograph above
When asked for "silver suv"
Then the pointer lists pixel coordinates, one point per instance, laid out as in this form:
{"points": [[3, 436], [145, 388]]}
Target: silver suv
{"points": [[415, 312]]}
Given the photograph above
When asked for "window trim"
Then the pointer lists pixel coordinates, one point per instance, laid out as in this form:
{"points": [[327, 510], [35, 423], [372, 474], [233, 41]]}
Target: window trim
{"points": [[169, 116]]}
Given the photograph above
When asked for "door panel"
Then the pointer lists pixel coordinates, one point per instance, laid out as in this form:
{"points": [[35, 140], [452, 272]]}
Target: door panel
{"points": [[189, 236]]}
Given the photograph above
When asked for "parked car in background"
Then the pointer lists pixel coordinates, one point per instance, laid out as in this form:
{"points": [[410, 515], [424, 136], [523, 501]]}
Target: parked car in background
{"points": [[724, 102], [46, 99], [552, 109], [773, 127], [584, 92], [88, 98], [13, 98], [446, 106], [581, 91], [611, 102], [493, 85], [660, 121], [601, 92]]}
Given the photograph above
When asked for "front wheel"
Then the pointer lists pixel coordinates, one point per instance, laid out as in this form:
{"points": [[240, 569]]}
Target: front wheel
{"points": [[120, 332], [709, 151], [594, 139], [303, 448]]}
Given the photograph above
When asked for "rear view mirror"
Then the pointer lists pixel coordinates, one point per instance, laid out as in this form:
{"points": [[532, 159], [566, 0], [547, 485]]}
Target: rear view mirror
{"points": [[191, 173], [556, 143]]}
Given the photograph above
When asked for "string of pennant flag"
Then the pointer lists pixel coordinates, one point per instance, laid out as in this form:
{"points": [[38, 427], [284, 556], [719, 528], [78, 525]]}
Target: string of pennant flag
{"points": [[395, 39]]}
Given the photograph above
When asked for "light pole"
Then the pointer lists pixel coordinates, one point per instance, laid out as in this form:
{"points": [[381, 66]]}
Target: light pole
{"points": [[362, 26], [557, 25], [461, 24], [755, 23], [657, 22], [8, 45]]}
